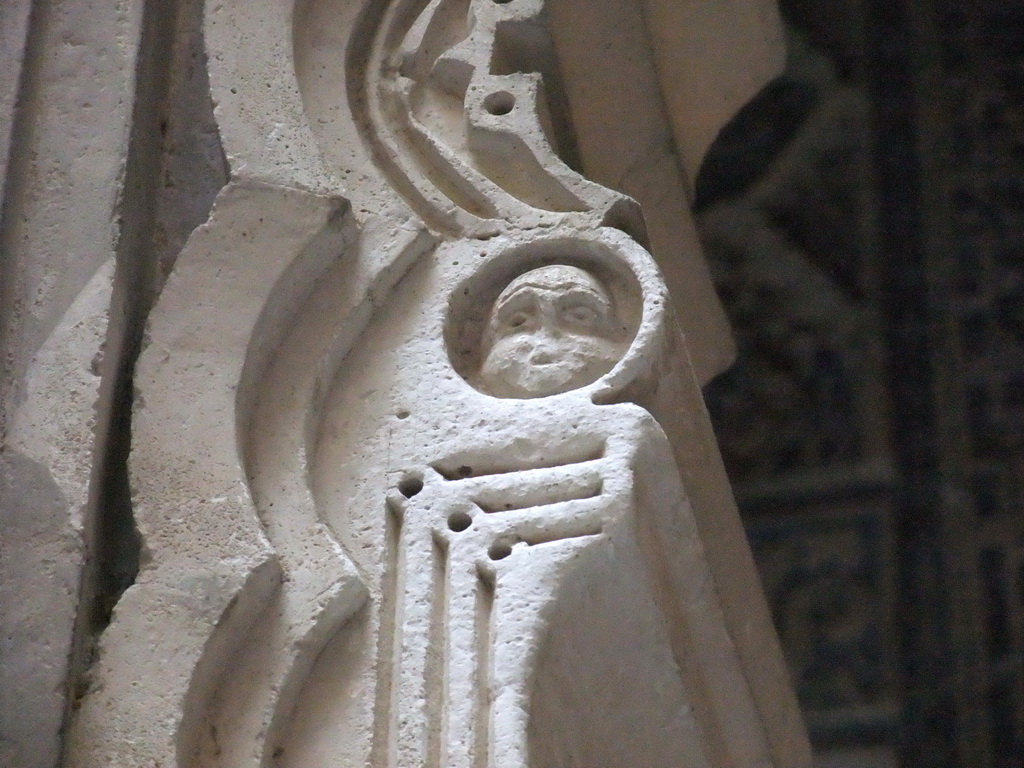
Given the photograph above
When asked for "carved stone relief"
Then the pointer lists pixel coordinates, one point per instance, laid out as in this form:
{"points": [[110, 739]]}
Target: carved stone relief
{"points": [[420, 464], [551, 330]]}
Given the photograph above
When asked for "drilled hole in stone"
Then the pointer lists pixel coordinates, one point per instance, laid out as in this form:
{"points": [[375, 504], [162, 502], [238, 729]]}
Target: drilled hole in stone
{"points": [[500, 103], [402, 414], [499, 550], [459, 521], [410, 486]]}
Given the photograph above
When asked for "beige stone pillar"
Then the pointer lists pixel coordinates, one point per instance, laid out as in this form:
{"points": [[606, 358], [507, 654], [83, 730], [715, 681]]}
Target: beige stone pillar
{"points": [[420, 465]]}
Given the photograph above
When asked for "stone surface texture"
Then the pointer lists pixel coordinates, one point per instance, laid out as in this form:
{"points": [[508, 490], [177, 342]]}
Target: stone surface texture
{"points": [[64, 132], [401, 312]]}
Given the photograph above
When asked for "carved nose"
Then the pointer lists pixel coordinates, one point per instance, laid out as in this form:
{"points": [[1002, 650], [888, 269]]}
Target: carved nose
{"points": [[542, 356]]}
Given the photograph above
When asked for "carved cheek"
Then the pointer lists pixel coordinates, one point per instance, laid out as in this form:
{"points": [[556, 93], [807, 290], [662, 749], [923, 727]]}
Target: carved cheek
{"points": [[509, 355], [592, 356], [551, 359]]}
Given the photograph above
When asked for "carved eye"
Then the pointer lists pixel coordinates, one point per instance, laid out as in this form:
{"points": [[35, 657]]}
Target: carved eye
{"points": [[580, 315], [517, 320]]}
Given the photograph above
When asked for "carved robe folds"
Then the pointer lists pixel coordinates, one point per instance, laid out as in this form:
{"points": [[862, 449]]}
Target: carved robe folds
{"points": [[419, 457]]}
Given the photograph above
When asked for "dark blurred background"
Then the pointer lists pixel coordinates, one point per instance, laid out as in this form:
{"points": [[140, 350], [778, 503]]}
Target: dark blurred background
{"points": [[864, 217]]}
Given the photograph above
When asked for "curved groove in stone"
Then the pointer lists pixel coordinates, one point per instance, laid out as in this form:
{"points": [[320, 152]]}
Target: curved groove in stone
{"points": [[322, 589], [472, 164], [516, 153], [366, 56], [465, 187]]}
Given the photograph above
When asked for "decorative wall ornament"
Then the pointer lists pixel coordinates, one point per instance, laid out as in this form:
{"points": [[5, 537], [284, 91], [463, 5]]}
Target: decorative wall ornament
{"points": [[420, 463], [451, 99]]}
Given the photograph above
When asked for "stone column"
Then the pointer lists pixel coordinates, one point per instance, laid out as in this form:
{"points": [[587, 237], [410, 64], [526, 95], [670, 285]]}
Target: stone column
{"points": [[420, 466]]}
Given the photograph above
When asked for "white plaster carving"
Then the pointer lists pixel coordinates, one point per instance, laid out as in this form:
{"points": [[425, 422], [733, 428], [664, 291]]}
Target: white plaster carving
{"points": [[386, 523]]}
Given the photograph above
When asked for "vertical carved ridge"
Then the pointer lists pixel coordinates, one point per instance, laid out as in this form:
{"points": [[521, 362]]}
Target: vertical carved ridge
{"points": [[484, 609], [437, 660], [382, 750]]}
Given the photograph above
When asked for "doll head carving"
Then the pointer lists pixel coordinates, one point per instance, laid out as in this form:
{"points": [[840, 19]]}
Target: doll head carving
{"points": [[551, 330]]}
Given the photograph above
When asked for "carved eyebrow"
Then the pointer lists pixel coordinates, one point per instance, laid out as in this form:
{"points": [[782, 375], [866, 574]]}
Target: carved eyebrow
{"points": [[579, 290], [517, 302], [584, 295], [517, 297]]}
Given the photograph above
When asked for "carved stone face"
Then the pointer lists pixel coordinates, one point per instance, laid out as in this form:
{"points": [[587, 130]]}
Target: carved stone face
{"points": [[551, 330]]}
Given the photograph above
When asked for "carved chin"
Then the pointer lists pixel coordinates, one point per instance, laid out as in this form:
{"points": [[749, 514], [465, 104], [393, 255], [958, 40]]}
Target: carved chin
{"points": [[516, 380]]}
